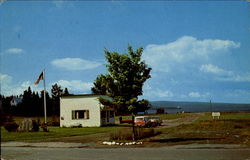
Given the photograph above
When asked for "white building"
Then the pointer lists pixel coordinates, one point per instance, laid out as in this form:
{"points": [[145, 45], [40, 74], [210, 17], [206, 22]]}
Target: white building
{"points": [[15, 101], [85, 110]]}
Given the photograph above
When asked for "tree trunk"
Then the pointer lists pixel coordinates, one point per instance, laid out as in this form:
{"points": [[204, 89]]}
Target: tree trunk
{"points": [[133, 127]]}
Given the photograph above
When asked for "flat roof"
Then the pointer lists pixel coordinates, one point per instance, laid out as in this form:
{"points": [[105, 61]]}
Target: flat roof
{"points": [[81, 95]]}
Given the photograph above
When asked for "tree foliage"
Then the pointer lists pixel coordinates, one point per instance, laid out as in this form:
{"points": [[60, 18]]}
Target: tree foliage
{"points": [[56, 92], [124, 80]]}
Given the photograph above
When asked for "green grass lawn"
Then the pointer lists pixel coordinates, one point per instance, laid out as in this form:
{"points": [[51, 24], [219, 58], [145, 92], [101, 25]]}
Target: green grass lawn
{"points": [[226, 116], [231, 128], [229, 124], [54, 132]]}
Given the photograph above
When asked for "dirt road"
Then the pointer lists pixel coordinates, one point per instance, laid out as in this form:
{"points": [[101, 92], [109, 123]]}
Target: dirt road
{"points": [[184, 120]]}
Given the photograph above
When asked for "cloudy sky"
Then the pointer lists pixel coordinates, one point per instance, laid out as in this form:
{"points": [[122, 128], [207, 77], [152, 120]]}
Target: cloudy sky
{"points": [[197, 50]]}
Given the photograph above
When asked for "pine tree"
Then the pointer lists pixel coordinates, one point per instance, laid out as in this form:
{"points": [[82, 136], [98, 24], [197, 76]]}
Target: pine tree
{"points": [[66, 92], [56, 92]]}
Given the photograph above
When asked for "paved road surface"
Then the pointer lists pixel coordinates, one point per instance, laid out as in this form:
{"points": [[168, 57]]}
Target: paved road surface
{"points": [[33, 153]]}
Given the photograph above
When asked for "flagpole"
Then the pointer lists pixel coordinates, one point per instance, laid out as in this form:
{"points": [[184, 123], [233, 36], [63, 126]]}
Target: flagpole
{"points": [[44, 98]]}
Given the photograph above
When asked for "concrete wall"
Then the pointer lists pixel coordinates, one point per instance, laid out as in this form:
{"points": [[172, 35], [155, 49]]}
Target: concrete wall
{"points": [[70, 103]]}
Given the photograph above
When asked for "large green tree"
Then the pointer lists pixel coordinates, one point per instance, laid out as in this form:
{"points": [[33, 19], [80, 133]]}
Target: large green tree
{"points": [[124, 81]]}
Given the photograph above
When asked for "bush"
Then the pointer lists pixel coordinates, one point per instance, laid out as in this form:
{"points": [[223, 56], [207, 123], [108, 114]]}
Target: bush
{"points": [[143, 132], [11, 126], [126, 134], [160, 111], [35, 125], [4, 118], [54, 122], [44, 126]]}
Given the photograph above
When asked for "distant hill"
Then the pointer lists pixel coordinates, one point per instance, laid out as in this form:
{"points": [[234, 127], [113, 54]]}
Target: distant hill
{"points": [[200, 106]]}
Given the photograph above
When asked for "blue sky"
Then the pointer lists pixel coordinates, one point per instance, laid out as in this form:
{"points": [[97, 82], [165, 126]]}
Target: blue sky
{"points": [[197, 50]]}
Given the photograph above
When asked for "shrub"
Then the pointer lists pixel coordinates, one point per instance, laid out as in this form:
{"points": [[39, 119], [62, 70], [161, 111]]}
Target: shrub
{"points": [[160, 111], [4, 118], [143, 132], [54, 122], [44, 126], [35, 126], [126, 134], [11, 126]]}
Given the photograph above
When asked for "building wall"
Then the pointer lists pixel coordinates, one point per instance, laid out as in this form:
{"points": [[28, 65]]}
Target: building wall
{"points": [[70, 103]]}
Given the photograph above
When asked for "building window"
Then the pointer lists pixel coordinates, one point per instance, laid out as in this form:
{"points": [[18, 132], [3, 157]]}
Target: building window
{"points": [[80, 114]]}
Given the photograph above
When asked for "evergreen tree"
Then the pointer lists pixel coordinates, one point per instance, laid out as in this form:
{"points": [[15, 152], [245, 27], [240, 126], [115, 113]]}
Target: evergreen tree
{"points": [[66, 92], [48, 103], [26, 107], [56, 92]]}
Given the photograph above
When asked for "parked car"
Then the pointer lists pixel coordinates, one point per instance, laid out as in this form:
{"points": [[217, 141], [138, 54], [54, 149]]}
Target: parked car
{"points": [[155, 121], [142, 121]]}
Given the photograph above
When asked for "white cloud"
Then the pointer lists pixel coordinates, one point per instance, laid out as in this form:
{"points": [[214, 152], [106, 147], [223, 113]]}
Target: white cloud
{"points": [[236, 78], [158, 93], [14, 51], [146, 86], [194, 94], [75, 64], [75, 85], [5, 79], [198, 95], [225, 75], [9, 88], [167, 57], [209, 68]]}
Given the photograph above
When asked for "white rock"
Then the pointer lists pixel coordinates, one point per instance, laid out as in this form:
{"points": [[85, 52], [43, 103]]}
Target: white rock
{"points": [[104, 142]]}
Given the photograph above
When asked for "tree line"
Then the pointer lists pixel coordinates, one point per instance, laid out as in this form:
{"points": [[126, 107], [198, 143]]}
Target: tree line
{"points": [[31, 103]]}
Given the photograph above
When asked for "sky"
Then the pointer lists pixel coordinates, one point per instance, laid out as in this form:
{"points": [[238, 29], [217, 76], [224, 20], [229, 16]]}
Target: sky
{"points": [[198, 50]]}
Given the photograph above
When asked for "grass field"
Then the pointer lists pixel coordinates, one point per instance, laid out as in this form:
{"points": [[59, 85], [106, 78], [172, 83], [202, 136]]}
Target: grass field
{"points": [[231, 128], [57, 132], [227, 116], [54, 132]]}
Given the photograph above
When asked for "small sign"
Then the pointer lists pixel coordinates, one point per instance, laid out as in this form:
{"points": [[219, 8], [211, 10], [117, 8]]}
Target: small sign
{"points": [[216, 114]]}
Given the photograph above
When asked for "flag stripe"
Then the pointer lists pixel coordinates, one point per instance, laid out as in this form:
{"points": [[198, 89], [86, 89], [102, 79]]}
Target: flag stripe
{"points": [[39, 78]]}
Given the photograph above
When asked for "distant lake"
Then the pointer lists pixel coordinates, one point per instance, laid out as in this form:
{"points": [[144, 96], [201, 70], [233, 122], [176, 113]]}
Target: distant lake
{"points": [[170, 107]]}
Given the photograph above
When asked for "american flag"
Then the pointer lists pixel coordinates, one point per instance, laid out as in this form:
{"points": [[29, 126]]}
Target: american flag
{"points": [[39, 78]]}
